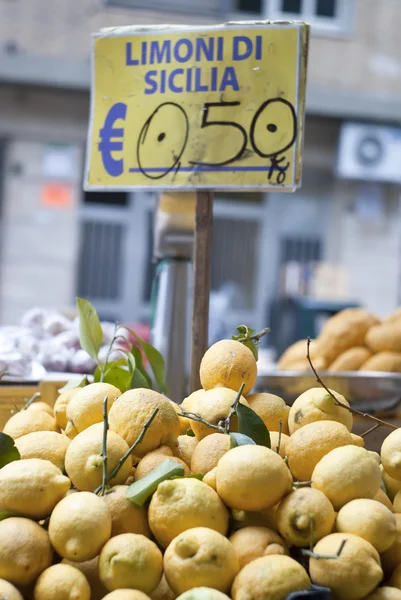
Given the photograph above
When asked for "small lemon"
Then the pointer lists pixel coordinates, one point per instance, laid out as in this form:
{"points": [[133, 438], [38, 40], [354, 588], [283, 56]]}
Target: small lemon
{"points": [[79, 526], [41, 406], [253, 542], [25, 550], [264, 518], [31, 487], [279, 442], [181, 504], [392, 485], [126, 517], [60, 406], [90, 569], [351, 576], [305, 512], [228, 364], [131, 561], [84, 462], [385, 593], [130, 412], [391, 454], [184, 450], [27, 421], [362, 478], [185, 423], [47, 445], [208, 452], [153, 459], [317, 405], [252, 478], [163, 591], [62, 582], [214, 406], [210, 478], [384, 499], [270, 578], [127, 594], [203, 593], [370, 520], [85, 408], [271, 409], [200, 557], [391, 558], [8, 591], [186, 404], [311, 442]]}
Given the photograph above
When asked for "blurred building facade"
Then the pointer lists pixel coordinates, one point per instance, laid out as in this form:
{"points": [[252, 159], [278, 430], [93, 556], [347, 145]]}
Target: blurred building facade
{"points": [[57, 242]]}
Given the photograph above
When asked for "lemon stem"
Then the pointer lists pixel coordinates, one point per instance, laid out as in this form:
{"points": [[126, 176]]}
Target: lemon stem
{"points": [[299, 484], [258, 336], [233, 409], [194, 417], [379, 422], [325, 556], [104, 446], [104, 365], [32, 400], [134, 445], [280, 430]]}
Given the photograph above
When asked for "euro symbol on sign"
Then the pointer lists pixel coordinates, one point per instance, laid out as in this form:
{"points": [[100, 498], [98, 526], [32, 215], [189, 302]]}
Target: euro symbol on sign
{"points": [[112, 139]]}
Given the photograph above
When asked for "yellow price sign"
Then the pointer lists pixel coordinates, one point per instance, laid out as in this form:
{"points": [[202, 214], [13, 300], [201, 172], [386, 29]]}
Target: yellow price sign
{"points": [[179, 108]]}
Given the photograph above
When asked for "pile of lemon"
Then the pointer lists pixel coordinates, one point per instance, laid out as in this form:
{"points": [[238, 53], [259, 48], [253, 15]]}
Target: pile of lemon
{"points": [[248, 522]]}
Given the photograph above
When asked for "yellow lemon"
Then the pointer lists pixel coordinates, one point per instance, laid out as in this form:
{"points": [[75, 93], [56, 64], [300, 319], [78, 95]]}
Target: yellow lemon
{"points": [[208, 452], [60, 406], [203, 593], [79, 526], [391, 558], [271, 409], [90, 569], [31, 487], [41, 406], [200, 557], [384, 499], [130, 412], [185, 423], [131, 561], [84, 462], [25, 550], [385, 593], [151, 460], [181, 504], [228, 364], [85, 408], [214, 406], [210, 478], [391, 454], [252, 478], [362, 478], [279, 443], [126, 595], [126, 517], [184, 450], [163, 591], [311, 442], [47, 445], [62, 582], [25, 421], [370, 520], [8, 591], [253, 542], [305, 512], [392, 485], [351, 576], [270, 578], [317, 405]]}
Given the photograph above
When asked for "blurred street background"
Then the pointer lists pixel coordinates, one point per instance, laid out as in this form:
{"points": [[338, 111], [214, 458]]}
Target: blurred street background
{"points": [[280, 259]]}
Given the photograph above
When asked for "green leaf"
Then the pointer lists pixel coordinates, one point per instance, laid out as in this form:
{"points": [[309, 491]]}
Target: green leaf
{"points": [[156, 362], [140, 491], [190, 433], [74, 383], [116, 374], [90, 331], [252, 426], [8, 450], [138, 374], [252, 347], [240, 439], [5, 514]]}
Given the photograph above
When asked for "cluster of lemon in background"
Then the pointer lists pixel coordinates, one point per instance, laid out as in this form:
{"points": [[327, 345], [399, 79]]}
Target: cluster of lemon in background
{"points": [[249, 522]]}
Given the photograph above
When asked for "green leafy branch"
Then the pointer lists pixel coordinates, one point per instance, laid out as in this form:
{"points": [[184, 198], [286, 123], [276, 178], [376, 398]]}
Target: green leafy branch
{"points": [[247, 336]]}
